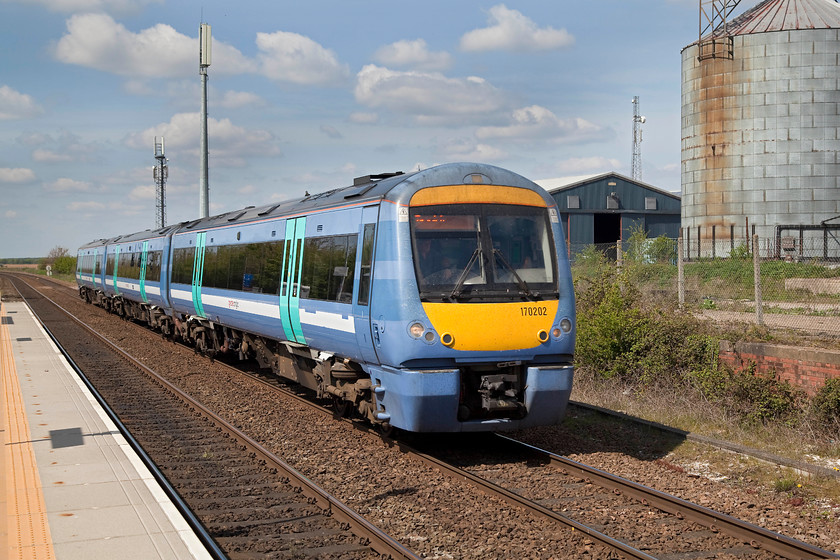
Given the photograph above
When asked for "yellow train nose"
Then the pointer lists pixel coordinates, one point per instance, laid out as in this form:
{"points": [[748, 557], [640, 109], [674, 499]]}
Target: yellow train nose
{"points": [[492, 326]]}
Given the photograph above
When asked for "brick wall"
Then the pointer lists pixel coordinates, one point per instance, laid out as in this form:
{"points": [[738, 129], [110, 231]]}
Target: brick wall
{"points": [[806, 368]]}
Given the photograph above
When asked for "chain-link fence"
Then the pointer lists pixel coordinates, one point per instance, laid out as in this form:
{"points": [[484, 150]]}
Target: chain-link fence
{"points": [[790, 282]]}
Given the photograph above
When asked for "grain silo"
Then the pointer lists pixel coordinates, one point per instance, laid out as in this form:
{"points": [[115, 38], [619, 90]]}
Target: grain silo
{"points": [[761, 130]]}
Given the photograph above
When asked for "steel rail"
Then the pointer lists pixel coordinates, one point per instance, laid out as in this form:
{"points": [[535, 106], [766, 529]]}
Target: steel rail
{"points": [[755, 536], [374, 537], [197, 527], [515, 499]]}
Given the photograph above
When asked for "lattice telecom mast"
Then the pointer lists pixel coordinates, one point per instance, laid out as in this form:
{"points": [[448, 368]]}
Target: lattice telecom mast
{"points": [[636, 163], [160, 173], [714, 16], [203, 63]]}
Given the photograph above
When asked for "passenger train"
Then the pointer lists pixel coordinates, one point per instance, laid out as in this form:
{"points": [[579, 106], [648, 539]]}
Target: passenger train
{"points": [[434, 301]]}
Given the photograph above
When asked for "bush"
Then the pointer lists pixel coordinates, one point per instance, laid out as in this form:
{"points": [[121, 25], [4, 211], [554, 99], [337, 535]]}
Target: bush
{"points": [[826, 404], [618, 336], [762, 398], [64, 265]]}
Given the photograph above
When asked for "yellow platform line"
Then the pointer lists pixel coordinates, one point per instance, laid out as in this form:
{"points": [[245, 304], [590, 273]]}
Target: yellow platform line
{"points": [[28, 532]]}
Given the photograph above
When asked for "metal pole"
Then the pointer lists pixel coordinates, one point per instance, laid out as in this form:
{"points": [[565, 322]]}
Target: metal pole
{"points": [[204, 192], [680, 272], [759, 312], [204, 51]]}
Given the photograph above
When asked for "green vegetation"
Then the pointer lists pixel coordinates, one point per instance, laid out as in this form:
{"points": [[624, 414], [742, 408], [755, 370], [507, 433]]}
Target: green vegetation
{"points": [[633, 337]]}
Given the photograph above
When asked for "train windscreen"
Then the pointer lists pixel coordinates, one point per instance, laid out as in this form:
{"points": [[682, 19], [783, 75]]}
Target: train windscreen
{"points": [[483, 252]]}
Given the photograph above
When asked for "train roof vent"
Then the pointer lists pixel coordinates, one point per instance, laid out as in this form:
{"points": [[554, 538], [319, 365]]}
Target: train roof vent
{"points": [[239, 215], [364, 184], [365, 179], [269, 210]]}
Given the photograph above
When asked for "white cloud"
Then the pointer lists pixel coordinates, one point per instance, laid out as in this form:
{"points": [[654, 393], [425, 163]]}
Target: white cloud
{"points": [[510, 30], [431, 98], [364, 118], [16, 105], [230, 145], [85, 206], [65, 184], [331, 131], [237, 99], [10, 214], [591, 164], [97, 41], [143, 192], [48, 156], [16, 175], [538, 123], [290, 57], [468, 150], [413, 54]]}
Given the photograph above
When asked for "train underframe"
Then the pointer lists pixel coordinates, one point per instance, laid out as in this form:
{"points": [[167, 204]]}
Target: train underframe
{"points": [[488, 391]]}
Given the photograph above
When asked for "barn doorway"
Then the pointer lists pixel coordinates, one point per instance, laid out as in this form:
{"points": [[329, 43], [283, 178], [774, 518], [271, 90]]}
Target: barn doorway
{"points": [[607, 232]]}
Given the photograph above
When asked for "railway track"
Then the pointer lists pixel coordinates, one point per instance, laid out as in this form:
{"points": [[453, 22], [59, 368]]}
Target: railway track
{"points": [[620, 515], [251, 502]]}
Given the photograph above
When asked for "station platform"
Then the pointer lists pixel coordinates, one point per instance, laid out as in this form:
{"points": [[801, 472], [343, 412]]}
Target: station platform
{"points": [[71, 486]]}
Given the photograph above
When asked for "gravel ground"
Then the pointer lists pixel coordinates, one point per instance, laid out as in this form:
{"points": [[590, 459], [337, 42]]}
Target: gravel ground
{"points": [[441, 518]]}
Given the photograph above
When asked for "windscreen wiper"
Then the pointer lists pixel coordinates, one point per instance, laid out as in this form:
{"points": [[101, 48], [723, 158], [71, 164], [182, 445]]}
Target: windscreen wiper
{"points": [[523, 286], [456, 292]]}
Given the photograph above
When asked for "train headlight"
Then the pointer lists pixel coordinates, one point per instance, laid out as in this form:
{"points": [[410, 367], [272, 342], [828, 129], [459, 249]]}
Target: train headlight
{"points": [[566, 325], [542, 336], [416, 330], [447, 339]]}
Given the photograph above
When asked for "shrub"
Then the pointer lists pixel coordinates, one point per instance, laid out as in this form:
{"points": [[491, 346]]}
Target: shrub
{"points": [[762, 398], [64, 265], [826, 404]]}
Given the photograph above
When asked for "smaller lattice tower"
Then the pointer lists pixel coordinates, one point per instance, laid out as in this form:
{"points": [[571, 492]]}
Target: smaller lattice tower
{"points": [[636, 162], [160, 173]]}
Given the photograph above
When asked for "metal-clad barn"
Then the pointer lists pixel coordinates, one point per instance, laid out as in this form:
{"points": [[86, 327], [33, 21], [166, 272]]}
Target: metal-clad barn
{"points": [[608, 207]]}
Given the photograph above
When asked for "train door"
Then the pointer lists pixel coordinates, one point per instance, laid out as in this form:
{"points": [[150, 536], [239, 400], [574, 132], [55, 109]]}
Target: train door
{"points": [[361, 311], [290, 280], [143, 258], [95, 269], [198, 273], [116, 269]]}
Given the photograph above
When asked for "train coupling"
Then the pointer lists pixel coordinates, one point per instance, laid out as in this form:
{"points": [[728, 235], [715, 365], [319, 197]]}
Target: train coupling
{"points": [[499, 394]]}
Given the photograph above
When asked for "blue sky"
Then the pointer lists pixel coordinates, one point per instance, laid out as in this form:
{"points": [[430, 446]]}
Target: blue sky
{"points": [[308, 95]]}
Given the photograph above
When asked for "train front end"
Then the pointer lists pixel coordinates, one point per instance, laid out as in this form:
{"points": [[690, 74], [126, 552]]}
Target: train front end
{"points": [[480, 331]]}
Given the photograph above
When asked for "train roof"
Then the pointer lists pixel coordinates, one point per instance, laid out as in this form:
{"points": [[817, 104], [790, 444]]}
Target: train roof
{"points": [[368, 188], [364, 189]]}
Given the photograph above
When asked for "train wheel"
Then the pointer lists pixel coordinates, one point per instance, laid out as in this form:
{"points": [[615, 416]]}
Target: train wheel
{"points": [[341, 407], [386, 430]]}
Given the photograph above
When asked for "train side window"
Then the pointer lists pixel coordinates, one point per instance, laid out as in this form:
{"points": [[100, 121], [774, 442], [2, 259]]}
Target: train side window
{"points": [[328, 268], [182, 265], [367, 264]]}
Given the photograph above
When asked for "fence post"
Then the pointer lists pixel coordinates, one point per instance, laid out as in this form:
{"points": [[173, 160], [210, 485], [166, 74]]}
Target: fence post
{"points": [[680, 272], [759, 312], [619, 258]]}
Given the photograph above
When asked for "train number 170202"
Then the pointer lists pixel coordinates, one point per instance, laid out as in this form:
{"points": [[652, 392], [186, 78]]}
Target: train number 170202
{"points": [[538, 311]]}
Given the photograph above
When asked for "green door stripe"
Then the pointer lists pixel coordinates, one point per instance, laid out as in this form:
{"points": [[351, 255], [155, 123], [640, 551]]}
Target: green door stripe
{"points": [[143, 258], [285, 280], [198, 273], [294, 297], [116, 266]]}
